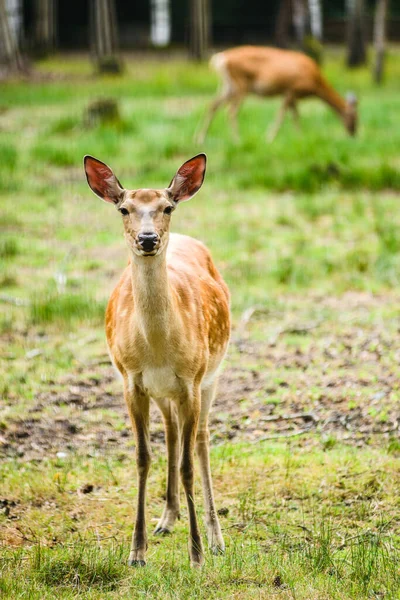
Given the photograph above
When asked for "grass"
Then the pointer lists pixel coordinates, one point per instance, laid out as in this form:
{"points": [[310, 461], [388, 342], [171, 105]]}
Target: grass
{"points": [[307, 231], [296, 526], [65, 307]]}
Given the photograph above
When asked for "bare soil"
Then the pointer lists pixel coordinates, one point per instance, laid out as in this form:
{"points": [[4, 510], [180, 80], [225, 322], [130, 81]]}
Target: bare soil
{"points": [[337, 377]]}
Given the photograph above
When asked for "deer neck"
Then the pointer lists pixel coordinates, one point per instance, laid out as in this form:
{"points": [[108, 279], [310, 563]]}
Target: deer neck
{"points": [[331, 97], [152, 296]]}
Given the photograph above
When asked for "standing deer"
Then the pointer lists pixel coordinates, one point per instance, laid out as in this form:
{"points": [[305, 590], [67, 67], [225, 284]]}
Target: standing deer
{"points": [[273, 72], [167, 327]]}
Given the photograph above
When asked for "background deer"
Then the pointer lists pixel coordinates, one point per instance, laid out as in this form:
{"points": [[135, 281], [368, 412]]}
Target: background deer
{"points": [[271, 72], [167, 327]]}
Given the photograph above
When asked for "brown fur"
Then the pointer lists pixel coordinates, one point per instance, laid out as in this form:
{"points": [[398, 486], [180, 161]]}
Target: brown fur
{"points": [[270, 72], [167, 327]]}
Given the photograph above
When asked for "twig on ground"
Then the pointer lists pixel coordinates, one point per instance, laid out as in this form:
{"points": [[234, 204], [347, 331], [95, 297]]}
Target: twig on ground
{"points": [[15, 301], [279, 436], [294, 329], [304, 416], [247, 315]]}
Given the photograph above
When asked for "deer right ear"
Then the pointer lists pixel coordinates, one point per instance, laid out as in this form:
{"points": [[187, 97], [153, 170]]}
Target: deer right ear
{"points": [[188, 179], [102, 180]]}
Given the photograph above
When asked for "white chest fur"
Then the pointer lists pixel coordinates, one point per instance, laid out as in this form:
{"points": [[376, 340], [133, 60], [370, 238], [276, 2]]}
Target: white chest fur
{"points": [[160, 382]]}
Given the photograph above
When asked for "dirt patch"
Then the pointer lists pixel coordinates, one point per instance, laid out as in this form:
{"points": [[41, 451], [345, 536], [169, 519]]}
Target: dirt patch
{"points": [[341, 383]]}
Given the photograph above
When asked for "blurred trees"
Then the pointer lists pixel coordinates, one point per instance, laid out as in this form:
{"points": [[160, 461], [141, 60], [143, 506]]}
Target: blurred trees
{"points": [[283, 22], [104, 40], [380, 38], [356, 43], [160, 31], [200, 29], [45, 26], [9, 43], [315, 11], [306, 17]]}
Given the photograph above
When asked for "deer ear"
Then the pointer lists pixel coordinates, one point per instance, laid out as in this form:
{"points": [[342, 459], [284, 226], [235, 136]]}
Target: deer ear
{"points": [[188, 179], [102, 180]]}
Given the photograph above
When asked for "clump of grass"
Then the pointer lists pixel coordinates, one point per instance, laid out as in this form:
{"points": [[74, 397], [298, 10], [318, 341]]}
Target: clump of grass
{"points": [[393, 446], [53, 155], [64, 125], [79, 567], [8, 156], [8, 248], [8, 280], [51, 307]]}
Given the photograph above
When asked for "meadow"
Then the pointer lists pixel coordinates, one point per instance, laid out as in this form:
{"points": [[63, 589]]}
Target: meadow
{"points": [[305, 446]]}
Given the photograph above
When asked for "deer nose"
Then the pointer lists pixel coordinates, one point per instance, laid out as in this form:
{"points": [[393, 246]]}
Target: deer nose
{"points": [[148, 241]]}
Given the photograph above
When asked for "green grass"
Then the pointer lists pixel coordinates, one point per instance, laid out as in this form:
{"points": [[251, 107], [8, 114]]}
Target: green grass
{"points": [[47, 308], [307, 230], [334, 227], [316, 520]]}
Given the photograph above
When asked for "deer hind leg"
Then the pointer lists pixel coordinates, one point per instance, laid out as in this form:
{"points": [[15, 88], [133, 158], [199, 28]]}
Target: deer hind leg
{"points": [[188, 412], [214, 535], [296, 114], [215, 105], [273, 131], [233, 109], [171, 510], [138, 405]]}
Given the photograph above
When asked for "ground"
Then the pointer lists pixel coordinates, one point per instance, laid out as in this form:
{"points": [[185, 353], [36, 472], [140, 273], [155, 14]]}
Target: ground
{"points": [[305, 427]]}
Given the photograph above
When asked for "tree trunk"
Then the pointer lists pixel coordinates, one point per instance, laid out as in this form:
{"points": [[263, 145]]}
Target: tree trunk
{"points": [[380, 38], [104, 37], [283, 23], [315, 12], [160, 23], [9, 44], [356, 46], [200, 29], [300, 21], [45, 26], [307, 21]]}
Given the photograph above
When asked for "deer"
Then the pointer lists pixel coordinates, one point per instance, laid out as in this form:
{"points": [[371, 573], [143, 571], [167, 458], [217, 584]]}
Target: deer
{"points": [[265, 71], [167, 327]]}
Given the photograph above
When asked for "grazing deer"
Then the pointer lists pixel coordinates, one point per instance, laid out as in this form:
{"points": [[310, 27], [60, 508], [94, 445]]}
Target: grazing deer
{"points": [[167, 327], [273, 72]]}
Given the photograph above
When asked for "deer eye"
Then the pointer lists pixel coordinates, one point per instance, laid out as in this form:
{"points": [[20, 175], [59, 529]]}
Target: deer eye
{"points": [[168, 210], [123, 211]]}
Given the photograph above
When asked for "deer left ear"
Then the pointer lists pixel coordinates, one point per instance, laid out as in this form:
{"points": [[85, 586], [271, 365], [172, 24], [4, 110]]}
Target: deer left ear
{"points": [[102, 180], [188, 179]]}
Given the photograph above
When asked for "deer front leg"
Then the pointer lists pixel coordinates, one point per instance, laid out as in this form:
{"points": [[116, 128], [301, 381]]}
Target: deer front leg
{"points": [[188, 411], [233, 109], [138, 406], [215, 105], [171, 510], [273, 131], [214, 535]]}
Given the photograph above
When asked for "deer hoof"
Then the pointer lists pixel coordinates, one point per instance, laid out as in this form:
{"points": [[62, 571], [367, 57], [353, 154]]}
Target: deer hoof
{"points": [[161, 531], [217, 549], [133, 562]]}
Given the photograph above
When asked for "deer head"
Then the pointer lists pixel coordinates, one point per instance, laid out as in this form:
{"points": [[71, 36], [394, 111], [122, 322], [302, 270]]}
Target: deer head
{"points": [[146, 213], [351, 113]]}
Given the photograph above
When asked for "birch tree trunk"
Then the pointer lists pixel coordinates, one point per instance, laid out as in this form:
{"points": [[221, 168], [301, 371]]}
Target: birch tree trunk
{"points": [[356, 45], [9, 41], [307, 21], [160, 23], [300, 21], [380, 38], [200, 29], [315, 12]]}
